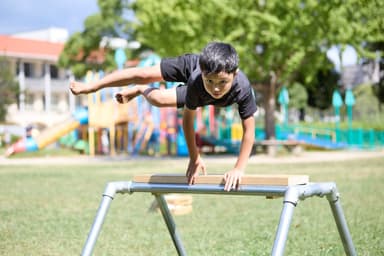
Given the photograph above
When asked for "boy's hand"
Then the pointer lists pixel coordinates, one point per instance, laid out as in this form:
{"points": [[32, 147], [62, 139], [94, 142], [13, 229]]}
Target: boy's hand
{"points": [[193, 169], [120, 98], [232, 179], [80, 88]]}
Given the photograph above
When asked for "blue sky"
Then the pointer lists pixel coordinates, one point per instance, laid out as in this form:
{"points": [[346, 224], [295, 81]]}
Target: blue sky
{"points": [[25, 15], [349, 56]]}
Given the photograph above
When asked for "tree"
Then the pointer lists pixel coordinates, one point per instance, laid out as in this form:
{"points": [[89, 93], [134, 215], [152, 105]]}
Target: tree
{"points": [[321, 89], [298, 97], [9, 88], [275, 39], [82, 47], [378, 88]]}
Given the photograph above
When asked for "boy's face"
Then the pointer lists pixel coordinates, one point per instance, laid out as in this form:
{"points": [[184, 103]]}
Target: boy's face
{"points": [[218, 84]]}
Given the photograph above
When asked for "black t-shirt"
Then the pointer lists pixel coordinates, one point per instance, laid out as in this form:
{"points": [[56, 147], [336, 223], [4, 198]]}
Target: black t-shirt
{"points": [[186, 69]]}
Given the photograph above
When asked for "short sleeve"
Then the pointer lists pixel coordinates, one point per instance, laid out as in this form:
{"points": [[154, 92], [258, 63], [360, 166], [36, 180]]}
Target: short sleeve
{"points": [[178, 69], [247, 105], [192, 98]]}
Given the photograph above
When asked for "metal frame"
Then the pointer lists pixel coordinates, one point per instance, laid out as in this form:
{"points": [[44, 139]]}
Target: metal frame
{"points": [[291, 194]]}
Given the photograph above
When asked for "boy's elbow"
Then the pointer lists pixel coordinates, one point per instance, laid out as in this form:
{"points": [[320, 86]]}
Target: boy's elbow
{"points": [[149, 74]]}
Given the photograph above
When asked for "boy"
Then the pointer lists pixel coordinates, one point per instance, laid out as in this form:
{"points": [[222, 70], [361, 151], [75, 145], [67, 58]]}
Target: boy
{"points": [[211, 78]]}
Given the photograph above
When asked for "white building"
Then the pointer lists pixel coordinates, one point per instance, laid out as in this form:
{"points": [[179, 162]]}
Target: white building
{"points": [[33, 57]]}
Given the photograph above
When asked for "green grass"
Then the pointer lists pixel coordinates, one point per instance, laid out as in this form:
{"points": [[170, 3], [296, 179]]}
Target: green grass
{"points": [[44, 153], [49, 209]]}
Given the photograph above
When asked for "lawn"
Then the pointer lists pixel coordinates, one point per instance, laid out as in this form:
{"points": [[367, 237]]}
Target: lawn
{"points": [[49, 209]]}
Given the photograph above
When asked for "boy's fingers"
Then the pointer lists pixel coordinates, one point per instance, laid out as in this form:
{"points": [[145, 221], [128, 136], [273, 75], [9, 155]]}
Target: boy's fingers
{"points": [[190, 177], [231, 182], [204, 170], [228, 184]]}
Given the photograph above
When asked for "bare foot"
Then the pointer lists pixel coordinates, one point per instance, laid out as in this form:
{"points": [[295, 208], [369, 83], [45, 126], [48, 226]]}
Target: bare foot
{"points": [[127, 94], [80, 88]]}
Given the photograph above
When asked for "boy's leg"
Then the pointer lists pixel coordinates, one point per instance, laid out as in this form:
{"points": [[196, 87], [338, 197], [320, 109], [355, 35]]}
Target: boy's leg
{"points": [[127, 94], [155, 96]]}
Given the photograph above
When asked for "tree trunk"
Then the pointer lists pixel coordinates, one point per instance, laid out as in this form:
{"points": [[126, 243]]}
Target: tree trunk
{"points": [[302, 114], [269, 106]]}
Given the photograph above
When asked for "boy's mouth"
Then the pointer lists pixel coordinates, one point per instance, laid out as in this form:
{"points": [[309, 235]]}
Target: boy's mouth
{"points": [[217, 95]]}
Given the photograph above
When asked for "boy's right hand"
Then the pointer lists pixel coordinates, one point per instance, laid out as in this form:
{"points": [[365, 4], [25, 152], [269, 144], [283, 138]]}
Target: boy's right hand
{"points": [[193, 169], [80, 88]]}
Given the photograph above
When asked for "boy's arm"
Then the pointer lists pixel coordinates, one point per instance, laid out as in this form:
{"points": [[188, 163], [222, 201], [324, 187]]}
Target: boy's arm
{"points": [[233, 177], [138, 75], [195, 162]]}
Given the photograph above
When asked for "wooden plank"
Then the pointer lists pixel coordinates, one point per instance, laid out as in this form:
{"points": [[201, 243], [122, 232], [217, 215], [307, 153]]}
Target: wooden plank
{"points": [[250, 179]]}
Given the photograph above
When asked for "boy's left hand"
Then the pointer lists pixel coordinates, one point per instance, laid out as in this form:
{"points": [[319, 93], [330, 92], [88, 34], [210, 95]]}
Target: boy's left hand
{"points": [[232, 179], [193, 170]]}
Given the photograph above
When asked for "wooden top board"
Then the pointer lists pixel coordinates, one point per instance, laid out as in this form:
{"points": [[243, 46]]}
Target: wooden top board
{"points": [[251, 179]]}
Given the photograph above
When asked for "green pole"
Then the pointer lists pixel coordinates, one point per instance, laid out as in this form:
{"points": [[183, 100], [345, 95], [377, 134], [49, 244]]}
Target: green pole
{"points": [[337, 123], [349, 101], [337, 102]]}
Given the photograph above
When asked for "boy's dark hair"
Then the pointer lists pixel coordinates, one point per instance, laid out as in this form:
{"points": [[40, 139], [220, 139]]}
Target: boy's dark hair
{"points": [[217, 57]]}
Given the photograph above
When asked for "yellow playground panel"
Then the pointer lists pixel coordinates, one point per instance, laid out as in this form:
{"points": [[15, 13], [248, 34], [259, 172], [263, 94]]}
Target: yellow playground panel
{"points": [[107, 114]]}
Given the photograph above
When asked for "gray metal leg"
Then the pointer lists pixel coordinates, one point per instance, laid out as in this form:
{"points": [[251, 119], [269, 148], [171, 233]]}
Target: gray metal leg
{"points": [[170, 224], [111, 189], [338, 214], [97, 224], [290, 202], [291, 197]]}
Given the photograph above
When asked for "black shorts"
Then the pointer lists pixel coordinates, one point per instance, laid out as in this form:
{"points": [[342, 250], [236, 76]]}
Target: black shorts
{"points": [[181, 93]]}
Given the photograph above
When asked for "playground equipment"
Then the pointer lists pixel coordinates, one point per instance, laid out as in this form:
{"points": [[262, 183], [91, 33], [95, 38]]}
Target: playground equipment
{"points": [[105, 113], [292, 187], [283, 100], [220, 132], [337, 102], [51, 134], [330, 138]]}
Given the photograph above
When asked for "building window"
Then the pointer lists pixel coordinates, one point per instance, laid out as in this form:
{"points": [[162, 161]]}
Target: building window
{"points": [[28, 69], [54, 71]]}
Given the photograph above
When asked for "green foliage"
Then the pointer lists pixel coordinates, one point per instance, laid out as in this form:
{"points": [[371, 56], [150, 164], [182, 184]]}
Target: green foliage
{"points": [[78, 51], [283, 38], [9, 88], [378, 90], [321, 89], [366, 114], [278, 41], [367, 105], [279, 36], [298, 96]]}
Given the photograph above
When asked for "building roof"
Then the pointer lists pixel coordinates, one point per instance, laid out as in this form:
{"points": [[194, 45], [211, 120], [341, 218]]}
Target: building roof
{"points": [[29, 49]]}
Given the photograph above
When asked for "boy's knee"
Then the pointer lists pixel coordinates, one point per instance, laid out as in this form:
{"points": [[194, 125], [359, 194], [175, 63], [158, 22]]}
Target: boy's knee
{"points": [[148, 92], [156, 102], [153, 95]]}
